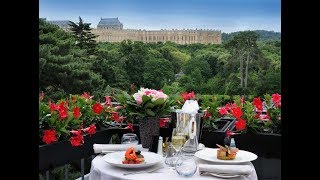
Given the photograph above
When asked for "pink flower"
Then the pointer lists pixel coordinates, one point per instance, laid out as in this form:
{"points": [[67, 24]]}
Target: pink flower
{"points": [[108, 101], [86, 95], [138, 98]]}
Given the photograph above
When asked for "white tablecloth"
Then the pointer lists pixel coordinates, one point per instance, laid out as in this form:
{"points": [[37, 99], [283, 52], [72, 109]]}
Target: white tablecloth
{"points": [[101, 170]]}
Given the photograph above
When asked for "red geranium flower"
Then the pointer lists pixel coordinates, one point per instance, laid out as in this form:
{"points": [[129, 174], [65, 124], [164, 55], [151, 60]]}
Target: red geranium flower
{"points": [[276, 98], [97, 108], [207, 115], [77, 139], [91, 129], [49, 136], [223, 111], [76, 112], [115, 116], [185, 96], [236, 112], [129, 126], [63, 111], [53, 107], [240, 124], [257, 103]]}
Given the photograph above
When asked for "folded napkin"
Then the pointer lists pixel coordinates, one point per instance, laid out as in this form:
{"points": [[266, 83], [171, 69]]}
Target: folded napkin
{"points": [[226, 169], [99, 148]]}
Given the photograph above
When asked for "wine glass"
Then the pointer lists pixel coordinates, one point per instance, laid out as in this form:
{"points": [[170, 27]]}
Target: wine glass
{"points": [[186, 165], [130, 138]]}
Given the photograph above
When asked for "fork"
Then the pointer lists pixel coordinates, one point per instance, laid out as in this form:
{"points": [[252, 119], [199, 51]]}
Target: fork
{"points": [[139, 172]]}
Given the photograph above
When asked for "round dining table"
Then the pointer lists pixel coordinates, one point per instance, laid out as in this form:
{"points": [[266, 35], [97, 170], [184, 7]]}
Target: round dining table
{"points": [[101, 170]]}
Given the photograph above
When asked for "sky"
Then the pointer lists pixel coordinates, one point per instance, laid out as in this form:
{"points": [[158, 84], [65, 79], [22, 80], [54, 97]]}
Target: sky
{"points": [[225, 15]]}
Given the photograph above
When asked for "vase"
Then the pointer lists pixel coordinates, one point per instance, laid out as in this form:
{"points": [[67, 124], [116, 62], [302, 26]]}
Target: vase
{"points": [[149, 128]]}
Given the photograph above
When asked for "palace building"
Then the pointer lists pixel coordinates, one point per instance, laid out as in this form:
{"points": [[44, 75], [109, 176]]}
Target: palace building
{"points": [[111, 30]]}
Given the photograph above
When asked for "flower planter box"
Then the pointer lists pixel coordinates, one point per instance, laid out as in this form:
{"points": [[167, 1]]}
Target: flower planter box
{"points": [[60, 153], [211, 137]]}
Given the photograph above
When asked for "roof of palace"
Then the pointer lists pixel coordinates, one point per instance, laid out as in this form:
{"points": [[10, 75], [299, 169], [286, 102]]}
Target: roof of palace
{"points": [[109, 21], [60, 23]]}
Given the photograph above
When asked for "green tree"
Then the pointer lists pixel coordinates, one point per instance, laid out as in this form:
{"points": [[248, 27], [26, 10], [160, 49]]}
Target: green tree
{"points": [[157, 73], [84, 38]]}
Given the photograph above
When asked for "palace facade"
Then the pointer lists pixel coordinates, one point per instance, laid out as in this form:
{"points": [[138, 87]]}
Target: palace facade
{"points": [[111, 30]]}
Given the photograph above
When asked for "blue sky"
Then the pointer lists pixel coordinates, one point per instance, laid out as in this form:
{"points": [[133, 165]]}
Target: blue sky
{"points": [[225, 15]]}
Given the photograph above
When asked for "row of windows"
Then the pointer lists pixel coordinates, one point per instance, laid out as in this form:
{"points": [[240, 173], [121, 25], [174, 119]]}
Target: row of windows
{"points": [[154, 38]]}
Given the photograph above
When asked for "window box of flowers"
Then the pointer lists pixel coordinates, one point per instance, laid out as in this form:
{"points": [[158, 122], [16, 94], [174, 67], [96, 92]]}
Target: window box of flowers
{"points": [[214, 127], [69, 127], [255, 132]]}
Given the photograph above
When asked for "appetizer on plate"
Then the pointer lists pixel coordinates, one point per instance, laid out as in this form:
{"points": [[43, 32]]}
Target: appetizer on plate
{"points": [[133, 157], [225, 153]]}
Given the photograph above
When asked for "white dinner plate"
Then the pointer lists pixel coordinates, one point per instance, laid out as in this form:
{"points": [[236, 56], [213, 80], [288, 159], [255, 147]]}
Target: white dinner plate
{"points": [[116, 159], [210, 154]]}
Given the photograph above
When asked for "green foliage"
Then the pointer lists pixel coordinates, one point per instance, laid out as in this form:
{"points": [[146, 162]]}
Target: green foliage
{"points": [[83, 35], [67, 67], [157, 72]]}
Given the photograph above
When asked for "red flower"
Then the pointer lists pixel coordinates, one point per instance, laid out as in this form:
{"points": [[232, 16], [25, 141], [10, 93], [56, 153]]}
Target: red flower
{"points": [[77, 139], [185, 96], [207, 115], [132, 87], [91, 129], [229, 133], [257, 103], [191, 95], [63, 111], [53, 107], [108, 101], [223, 111], [236, 112], [240, 124], [230, 106], [49, 136], [130, 126], [97, 108], [116, 118], [76, 112], [276, 98], [163, 121]]}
